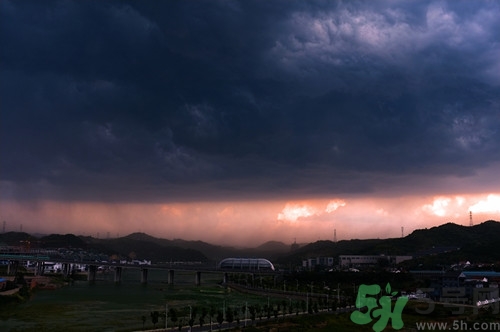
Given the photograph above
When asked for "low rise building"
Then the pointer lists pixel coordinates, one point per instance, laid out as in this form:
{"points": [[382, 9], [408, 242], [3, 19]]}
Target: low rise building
{"points": [[312, 263], [350, 261]]}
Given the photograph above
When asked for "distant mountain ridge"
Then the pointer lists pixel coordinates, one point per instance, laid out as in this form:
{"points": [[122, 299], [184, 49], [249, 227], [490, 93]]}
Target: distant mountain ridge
{"points": [[479, 242], [474, 243]]}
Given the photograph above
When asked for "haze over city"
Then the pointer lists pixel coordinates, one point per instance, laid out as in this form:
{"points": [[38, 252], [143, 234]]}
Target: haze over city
{"points": [[239, 122]]}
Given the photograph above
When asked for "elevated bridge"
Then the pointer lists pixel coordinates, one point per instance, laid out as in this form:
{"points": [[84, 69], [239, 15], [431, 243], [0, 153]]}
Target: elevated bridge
{"points": [[39, 262]]}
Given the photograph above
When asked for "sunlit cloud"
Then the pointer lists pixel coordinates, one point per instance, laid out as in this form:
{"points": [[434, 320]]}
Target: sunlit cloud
{"points": [[460, 200], [292, 212], [334, 205], [458, 206], [439, 206], [490, 205]]}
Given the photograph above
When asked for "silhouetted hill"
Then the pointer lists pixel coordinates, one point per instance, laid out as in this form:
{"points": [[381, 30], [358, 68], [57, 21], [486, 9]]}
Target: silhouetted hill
{"points": [[150, 250], [211, 252], [62, 241], [445, 236], [143, 246], [142, 237], [273, 246], [449, 241], [329, 249], [15, 238], [270, 250]]}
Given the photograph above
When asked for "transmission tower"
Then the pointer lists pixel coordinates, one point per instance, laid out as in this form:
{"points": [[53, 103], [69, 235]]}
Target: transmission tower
{"points": [[470, 219]]}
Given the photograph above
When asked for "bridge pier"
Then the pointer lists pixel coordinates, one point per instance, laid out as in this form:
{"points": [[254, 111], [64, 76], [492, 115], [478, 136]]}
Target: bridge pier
{"points": [[170, 277], [197, 278], [66, 269], [40, 268], [225, 278], [12, 267], [118, 274], [92, 273], [144, 276]]}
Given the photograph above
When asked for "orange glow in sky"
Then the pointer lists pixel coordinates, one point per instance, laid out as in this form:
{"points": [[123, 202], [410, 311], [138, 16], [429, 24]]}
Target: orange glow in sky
{"points": [[321, 121], [252, 223]]}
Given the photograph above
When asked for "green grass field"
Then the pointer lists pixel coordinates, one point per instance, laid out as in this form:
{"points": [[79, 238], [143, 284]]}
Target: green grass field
{"points": [[105, 306]]}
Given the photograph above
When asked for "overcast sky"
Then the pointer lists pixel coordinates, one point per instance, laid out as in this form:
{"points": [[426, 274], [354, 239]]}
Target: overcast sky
{"points": [[190, 118]]}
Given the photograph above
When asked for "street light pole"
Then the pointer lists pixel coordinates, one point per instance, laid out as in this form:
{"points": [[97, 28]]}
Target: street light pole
{"points": [[246, 309]]}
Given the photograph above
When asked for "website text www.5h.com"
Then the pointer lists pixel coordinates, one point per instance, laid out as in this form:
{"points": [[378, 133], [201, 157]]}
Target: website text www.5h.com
{"points": [[458, 325]]}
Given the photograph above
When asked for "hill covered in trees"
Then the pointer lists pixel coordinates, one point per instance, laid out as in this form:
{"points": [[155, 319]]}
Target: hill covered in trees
{"points": [[445, 243], [448, 242]]}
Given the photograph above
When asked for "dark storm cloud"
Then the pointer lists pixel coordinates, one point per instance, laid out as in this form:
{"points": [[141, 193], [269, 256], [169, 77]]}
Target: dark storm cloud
{"points": [[188, 100]]}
